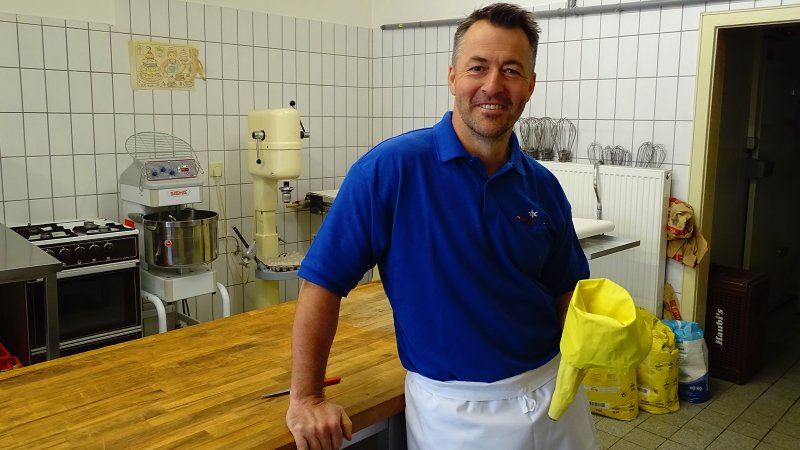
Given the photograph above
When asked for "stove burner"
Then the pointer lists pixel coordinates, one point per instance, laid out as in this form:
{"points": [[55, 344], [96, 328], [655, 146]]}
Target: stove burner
{"points": [[41, 232], [91, 228]]}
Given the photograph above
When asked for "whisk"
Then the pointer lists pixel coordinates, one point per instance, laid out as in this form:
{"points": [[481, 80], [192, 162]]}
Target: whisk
{"points": [[527, 136], [616, 156], [650, 155], [565, 133], [544, 132], [595, 153]]}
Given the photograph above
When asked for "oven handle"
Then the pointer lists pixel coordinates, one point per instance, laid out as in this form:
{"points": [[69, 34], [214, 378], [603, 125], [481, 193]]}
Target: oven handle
{"points": [[69, 273]]}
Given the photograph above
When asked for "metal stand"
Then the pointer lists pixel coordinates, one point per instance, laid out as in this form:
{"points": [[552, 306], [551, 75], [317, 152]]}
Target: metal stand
{"points": [[161, 311]]}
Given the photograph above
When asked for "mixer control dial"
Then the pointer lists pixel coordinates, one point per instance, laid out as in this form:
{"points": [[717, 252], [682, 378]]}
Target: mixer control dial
{"points": [[108, 247], [80, 252], [155, 174], [64, 254], [94, 250], [50, 252], [163, 169]]}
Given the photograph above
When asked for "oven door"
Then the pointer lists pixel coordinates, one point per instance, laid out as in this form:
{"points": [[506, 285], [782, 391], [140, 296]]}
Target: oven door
{"points": [[92, 301]]}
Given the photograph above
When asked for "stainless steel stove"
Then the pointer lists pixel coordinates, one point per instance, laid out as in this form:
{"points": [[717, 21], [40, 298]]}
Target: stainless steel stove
{"points": [[84, 243], [99, 300]]}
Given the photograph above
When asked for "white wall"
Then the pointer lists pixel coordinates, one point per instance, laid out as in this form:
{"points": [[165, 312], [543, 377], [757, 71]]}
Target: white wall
{"points": [[346, 12], [98, 11], [393, 11]]}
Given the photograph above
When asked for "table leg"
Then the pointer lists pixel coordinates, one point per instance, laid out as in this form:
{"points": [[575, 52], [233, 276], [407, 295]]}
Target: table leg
{"points": [[51, 313]]}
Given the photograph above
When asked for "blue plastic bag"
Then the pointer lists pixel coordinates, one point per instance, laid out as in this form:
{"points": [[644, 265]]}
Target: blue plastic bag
{"points": [[692, 360]]}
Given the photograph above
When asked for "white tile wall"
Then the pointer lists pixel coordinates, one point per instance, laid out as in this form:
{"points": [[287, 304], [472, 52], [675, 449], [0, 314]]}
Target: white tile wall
{"points": [[67, 104], [31, 50], [12, 142], [67, 108], [623, 78], [36, 128]]}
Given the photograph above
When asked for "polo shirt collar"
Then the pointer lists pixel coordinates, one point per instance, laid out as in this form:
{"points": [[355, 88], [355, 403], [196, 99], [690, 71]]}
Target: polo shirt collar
{"points": [[449, 147]]}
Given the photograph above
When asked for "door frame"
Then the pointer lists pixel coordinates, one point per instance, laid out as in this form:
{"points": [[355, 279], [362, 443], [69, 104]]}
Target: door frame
{"points": [[705, 134]]}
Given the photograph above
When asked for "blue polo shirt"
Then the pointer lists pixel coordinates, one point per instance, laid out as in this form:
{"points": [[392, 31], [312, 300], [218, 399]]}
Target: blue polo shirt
{"points": [[471, 264]]}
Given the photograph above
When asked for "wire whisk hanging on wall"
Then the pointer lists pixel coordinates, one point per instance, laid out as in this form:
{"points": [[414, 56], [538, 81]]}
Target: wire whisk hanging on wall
{"points": [[612, 156], [650, 155], [616, 156], [527, 137], [545, 136], [565, 134], [595, 153]]}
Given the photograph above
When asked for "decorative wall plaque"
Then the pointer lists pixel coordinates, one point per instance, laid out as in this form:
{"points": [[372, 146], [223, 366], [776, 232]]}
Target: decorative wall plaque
{"points": [[159, 65]]}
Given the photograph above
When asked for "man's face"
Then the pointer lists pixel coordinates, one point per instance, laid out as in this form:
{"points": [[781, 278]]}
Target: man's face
{"points": [[491, 80]]}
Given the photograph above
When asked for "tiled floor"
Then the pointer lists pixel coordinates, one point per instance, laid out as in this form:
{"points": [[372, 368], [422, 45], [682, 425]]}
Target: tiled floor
{"points": [[764, 413]]}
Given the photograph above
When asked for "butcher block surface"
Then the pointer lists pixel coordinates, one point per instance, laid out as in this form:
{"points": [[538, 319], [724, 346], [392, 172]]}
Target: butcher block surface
{"points": [[201, 386]]}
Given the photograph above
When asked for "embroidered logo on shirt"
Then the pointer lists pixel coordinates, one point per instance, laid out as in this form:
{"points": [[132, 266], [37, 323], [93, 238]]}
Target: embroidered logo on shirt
{"points": [[529, 218]]}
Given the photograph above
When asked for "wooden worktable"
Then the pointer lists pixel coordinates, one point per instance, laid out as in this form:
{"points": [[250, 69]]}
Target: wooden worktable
{"points": [[201, 386]]}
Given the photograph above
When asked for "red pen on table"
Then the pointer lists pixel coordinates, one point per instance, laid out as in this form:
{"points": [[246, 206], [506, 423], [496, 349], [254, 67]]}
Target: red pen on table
{"points": [[328, 381]]}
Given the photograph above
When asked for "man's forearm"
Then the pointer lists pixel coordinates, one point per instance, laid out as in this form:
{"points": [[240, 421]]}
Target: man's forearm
{"points": [[315, 322], [562, 303]]}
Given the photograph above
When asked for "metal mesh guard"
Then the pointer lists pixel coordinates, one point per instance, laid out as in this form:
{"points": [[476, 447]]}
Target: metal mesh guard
{"points": [[149, 145]]}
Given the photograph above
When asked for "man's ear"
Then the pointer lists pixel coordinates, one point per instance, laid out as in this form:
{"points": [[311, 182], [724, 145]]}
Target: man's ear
{"points": [[532, 85], [451, 79]]}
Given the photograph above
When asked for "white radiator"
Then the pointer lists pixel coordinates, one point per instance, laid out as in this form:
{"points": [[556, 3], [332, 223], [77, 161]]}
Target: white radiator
{"points": [[637, 201]]}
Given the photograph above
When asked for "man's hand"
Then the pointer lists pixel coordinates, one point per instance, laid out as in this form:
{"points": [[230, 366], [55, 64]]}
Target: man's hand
{"points": [[317, 424]]}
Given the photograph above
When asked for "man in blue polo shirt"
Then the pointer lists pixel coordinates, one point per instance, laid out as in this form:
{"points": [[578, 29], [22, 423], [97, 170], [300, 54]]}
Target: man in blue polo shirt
{"points": [[478, 256]]}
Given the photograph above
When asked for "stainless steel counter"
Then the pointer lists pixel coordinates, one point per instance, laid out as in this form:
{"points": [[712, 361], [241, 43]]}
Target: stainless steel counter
{"points": [[602, 245], [22, 261]]}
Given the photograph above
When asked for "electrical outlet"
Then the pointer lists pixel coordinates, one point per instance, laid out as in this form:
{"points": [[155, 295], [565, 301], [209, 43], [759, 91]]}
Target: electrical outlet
{"points": [[216, 169]]}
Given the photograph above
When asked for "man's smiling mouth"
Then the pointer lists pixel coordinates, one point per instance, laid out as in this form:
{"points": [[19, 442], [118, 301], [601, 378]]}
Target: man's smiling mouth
{"points": [[490, 106]]}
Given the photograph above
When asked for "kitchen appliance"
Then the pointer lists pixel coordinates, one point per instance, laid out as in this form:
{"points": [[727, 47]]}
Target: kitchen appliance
{"points": [[273, 154], [319, 202], [178, 242], [193, 234], [98, 289]]}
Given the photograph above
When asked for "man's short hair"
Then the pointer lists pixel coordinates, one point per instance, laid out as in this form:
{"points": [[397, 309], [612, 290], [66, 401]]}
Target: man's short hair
{"points": [[503, 15]]}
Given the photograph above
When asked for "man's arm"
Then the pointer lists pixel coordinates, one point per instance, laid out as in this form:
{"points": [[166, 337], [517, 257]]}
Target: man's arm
{"points": [[314, 422], [562, 303]]}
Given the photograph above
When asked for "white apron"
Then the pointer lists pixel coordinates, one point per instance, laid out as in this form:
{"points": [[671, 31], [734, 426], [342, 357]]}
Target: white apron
{"points": [[509, 414]]}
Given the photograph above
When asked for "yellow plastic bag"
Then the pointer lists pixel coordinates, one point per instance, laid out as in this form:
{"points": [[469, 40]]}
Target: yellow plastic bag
{"points": [[612, 394], [657, 375], [602, 330]]}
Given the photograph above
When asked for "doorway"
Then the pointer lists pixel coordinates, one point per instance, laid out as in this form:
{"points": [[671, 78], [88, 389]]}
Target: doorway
{"points": [[745, 149]]}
